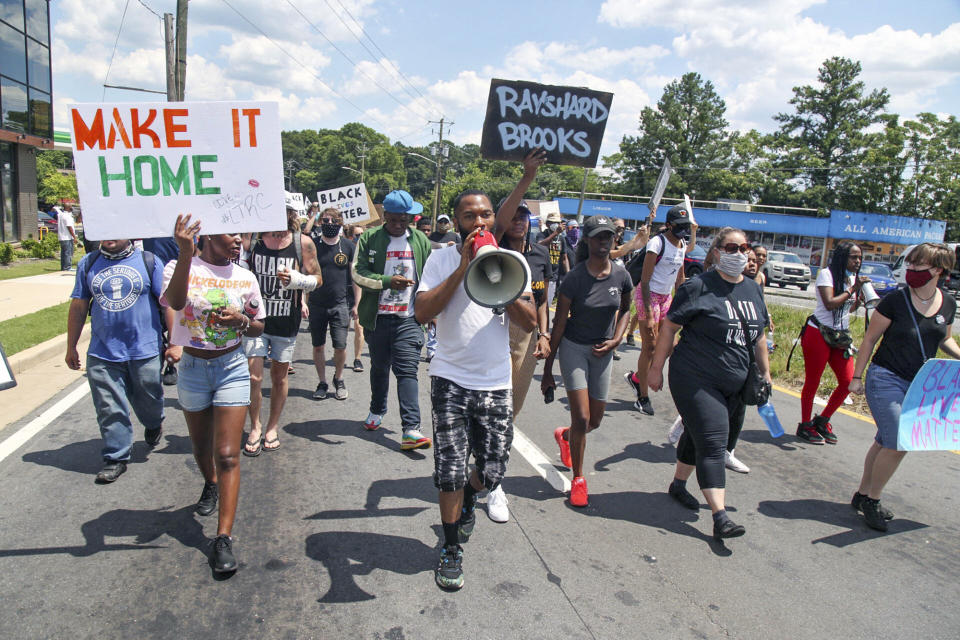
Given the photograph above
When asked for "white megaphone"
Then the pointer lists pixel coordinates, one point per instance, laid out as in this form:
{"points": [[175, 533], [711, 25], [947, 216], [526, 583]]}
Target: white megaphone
{"points": [[495, 277], [870, 297]]}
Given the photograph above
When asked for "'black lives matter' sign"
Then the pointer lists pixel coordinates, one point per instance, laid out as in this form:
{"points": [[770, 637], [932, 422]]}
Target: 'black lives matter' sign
{"points": [[567, 122]]}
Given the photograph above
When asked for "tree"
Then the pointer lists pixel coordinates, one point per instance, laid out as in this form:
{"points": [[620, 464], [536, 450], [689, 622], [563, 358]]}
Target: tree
{"points": [[933, 187], [55, 179], [829, 129]]}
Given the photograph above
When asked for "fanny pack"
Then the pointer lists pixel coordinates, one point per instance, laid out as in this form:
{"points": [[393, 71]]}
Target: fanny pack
{"points": [[835, 338]]}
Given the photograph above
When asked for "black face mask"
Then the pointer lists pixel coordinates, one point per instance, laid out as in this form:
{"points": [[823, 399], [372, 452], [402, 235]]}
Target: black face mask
{"points": [[681, 233], [330, 229]]}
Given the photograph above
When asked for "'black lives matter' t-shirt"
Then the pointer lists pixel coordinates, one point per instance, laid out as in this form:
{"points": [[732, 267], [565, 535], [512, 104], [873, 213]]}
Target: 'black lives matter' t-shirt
{"points": [[594, 303], [712, 343], [443, 238], [334, 261], [558, 247], [899, 351], [541, 271]]}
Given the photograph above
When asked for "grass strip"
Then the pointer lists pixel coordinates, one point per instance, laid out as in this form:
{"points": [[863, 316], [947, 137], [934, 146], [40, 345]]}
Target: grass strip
{"points": [[23, 332]]}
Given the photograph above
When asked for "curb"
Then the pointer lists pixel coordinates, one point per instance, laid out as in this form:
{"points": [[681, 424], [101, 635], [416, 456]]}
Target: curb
{"points": [[784, 293], [29, 358]]}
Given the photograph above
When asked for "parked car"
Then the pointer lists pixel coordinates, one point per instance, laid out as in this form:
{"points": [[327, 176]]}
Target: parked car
{"points": [[693, 261], [44, 219], [881, 277], [783, 268]]}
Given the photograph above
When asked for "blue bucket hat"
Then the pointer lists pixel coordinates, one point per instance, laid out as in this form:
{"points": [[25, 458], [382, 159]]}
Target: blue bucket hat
{"points": [[399, 201]]}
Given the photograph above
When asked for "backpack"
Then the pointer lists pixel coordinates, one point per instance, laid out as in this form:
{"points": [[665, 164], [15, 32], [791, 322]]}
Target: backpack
{"points": [[634, 266]]}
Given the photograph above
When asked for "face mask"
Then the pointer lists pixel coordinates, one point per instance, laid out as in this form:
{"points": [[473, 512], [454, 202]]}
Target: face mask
{"points": [[681, 234], [573, 235], [916, 279], [553, 226], [118, 255], [329, 229], [732, 264]]}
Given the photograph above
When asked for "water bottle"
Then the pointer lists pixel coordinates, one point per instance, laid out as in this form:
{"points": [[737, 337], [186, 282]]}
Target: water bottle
{"points": [[769, 415], [251, 307]]}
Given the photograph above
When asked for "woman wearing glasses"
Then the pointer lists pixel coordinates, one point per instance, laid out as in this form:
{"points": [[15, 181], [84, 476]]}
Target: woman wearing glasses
{"points": [[708, 367]]}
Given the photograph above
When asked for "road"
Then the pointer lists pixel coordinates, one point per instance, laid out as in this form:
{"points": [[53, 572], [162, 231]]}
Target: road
{"points": [[337, 535]]}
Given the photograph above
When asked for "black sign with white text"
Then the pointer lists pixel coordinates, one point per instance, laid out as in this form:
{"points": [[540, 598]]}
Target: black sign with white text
{"points": [[566, 122]]}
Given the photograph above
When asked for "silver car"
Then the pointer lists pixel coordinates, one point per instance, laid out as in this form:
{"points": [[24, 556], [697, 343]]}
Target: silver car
{"points": [[783, 268]]}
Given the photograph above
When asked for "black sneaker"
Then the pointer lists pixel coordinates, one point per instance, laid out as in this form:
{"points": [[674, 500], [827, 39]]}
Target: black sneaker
{"points": [[616, 356], [871, 514], [112, 469], [805, 431], [727, 529], [684, 497], [222, 556], [341, 389], [628, 377], [630, 340], [321, 391], [643, 404], [449, 572], [358, 365], [857, 503], [170, 376], [465, 525], [152, 436], [822, 426], [207, 503]]}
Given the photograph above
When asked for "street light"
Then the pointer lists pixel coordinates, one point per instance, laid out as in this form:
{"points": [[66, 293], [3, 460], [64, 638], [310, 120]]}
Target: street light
{"points": [[354, 170], [433, 162]]}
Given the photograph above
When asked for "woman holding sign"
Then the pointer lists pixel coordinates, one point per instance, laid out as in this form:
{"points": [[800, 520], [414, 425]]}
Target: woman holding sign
{"points": [[209, 294], [914, 322]]}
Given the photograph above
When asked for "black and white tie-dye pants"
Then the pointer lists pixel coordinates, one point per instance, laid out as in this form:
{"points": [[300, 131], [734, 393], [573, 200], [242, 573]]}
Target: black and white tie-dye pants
{"points": [[466, 421]]}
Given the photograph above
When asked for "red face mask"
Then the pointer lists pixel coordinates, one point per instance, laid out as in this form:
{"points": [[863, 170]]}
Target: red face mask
{"points": [[916, 279]]}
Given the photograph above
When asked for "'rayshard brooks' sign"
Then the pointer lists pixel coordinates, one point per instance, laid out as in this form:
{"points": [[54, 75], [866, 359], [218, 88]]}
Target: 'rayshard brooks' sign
{"points": [[141, 164], [567, 122]]}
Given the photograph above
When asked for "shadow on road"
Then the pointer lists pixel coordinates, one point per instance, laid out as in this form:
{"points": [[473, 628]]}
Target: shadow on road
{"points": [[145, 526], [347, 554], [786, 442], [85, 456], [839, 514], [407, 488], [645, 451], [319, 430]]}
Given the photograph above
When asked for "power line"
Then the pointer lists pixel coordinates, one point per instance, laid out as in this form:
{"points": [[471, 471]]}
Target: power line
{"points": [[145, 6], [350, 60], [103, 97]]}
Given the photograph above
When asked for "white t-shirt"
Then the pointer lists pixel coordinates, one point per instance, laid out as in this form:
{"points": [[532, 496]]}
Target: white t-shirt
{"points": [[839, 318], [665, 273], [399, 262], [64, 222], [473, 344]]}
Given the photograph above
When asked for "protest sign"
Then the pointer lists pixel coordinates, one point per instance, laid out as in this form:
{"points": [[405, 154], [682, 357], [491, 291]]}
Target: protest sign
{"points": [[296, 201], [352, 201], [930, 413], [6, 373], [566, 122], [140, 164]]}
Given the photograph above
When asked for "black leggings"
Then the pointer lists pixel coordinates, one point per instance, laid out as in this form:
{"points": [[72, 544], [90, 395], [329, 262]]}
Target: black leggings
{"points": [[709, 413]]}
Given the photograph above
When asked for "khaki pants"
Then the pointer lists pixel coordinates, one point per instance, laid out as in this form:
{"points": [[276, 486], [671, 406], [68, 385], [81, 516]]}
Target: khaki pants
{"points": [[523, 364]]}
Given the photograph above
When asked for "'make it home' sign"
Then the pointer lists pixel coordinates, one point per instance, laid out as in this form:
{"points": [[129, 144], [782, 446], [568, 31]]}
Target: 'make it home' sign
{"points": [[566, 122]]}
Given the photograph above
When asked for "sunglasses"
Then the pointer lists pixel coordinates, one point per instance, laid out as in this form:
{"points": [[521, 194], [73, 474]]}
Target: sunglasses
{"points": [[733, 247]]}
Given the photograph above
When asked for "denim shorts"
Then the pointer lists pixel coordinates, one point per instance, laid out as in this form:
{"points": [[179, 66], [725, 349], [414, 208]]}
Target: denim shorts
{"points": [[580, 369], [885, 392], [276, 347], [222, 382]]}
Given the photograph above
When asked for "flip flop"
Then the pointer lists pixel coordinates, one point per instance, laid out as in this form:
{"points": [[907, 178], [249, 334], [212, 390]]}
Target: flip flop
{"points": [[266, 442], [256, 451]]}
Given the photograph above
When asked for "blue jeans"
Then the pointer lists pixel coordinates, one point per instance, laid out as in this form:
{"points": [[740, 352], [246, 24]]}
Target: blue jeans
{"points": [[112, 384], [885, 392], [66, 254], [395, 343]]}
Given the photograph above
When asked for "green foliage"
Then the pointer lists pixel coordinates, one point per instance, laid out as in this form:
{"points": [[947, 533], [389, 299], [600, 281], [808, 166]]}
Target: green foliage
{"points": [[55, 183], [6, 253], [31, 329]]}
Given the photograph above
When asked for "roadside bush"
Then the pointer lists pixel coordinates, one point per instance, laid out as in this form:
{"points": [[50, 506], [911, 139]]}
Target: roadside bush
{"points": [[28, 244], [6, 253], [46, 248]]}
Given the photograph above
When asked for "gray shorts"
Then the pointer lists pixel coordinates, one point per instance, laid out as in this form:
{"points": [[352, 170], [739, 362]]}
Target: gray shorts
{"points": [[581, 369], [885, 392], [278, 348]]}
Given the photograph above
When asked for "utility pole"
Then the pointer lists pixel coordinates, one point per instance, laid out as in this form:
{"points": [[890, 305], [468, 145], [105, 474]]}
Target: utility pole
{"points": [[583, 191], [363, 158], [440, 156], [169, 43], [181, 49]]}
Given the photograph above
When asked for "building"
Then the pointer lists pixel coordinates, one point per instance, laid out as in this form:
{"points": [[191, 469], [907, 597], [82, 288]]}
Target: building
{"points": [[26, 111], [881, 237]]}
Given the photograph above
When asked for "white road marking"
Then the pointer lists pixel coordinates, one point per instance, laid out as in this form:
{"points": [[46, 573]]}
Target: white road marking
{"points": [[36, 425], [539, 461]]}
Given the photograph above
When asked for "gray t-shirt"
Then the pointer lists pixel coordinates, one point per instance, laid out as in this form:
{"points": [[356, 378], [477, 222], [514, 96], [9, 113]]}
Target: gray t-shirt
{"points": [[594, 302]]}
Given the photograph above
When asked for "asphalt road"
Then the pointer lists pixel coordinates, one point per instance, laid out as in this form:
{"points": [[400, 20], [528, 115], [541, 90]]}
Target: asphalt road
{"points": [[337, 535]]}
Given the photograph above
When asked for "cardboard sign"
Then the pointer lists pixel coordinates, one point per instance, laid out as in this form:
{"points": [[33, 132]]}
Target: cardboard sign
{"points": [[352, 201], [566, 122], [296, 199], [930, 413], [140, 164], [659, 188], [6, 373]]}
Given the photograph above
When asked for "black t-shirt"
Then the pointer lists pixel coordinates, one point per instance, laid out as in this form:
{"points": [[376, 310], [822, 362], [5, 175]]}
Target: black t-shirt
{"points": [[557, 248], [594, 303], [712, 344], [443, 238], [334, 261], [899, 351], [282, 306], [541, 271]]}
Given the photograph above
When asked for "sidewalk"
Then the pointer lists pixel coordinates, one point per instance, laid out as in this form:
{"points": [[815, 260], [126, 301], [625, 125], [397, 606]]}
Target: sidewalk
{"points": [[20, 296]]}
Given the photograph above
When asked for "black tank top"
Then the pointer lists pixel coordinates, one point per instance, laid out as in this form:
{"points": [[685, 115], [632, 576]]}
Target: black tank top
{"points": [[282, 306]]}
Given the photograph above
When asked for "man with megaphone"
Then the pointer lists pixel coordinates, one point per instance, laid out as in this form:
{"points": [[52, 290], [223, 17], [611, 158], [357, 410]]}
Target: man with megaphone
{"points": [[475, 295]]}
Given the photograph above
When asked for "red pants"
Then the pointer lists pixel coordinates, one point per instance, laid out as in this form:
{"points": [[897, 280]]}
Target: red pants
{"points": [[816, 355]]}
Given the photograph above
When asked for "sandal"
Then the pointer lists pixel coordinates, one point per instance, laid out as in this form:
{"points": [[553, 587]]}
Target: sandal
{"points": [[266, 442], [258, 448]]}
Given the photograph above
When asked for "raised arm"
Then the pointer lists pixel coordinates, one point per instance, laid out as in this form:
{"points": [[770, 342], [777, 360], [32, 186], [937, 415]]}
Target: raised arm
{"points": [[185, 234]]}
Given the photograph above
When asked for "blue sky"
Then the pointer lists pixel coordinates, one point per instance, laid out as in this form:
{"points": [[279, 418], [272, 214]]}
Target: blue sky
{"points": [[753, 51]]}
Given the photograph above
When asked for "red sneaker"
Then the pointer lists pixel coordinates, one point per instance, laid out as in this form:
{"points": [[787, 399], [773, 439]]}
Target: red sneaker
{"points": [[564, 446], [578, 492]]}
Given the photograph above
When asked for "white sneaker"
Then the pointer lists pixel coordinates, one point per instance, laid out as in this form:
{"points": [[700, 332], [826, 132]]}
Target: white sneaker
{"points": [[675, 431], [733, 464], [497, 505]]}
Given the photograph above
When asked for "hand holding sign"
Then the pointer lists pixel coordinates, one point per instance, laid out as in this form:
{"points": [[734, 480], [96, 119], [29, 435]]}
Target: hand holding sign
{"points": [[930, 413], [533, 161]]}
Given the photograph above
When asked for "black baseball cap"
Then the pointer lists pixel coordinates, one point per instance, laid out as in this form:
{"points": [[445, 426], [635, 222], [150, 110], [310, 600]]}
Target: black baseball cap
{"points": [[678, 215], [598, 224]]}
